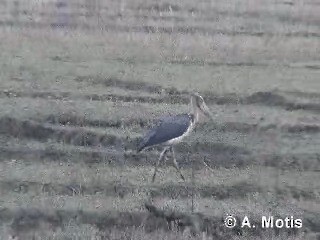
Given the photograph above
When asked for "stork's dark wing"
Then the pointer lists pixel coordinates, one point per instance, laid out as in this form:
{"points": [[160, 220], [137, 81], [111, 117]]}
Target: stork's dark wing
{"points": [[167, 128]]}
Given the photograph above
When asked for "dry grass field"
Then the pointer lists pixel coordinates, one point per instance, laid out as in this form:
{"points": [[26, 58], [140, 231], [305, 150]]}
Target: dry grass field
{"points": [[81, 81]]}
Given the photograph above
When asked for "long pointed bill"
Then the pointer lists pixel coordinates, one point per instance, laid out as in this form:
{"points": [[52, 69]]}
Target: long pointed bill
{"points": [[206, 111]]}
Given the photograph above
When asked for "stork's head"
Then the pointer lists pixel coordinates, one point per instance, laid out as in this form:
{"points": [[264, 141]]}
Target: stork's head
{"points": [[199, 107]]}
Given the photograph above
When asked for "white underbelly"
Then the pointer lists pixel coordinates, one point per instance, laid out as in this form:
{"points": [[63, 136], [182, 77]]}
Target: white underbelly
{"points": [[179, 139]]}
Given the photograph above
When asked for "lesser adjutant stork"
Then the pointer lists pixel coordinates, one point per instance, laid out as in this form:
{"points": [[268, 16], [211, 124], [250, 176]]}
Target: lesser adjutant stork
{"points": [[170, 130]]}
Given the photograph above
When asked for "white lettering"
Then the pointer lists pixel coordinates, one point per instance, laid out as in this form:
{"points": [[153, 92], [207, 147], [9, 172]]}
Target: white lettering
{"points": [[298, 223], [246, 222], [279, 223], [267, 222], [288, 222]]}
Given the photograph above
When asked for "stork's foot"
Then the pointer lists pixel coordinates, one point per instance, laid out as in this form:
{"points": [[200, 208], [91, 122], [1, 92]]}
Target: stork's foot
{"points": [[182, 177], [155, 173], [153, 177]]}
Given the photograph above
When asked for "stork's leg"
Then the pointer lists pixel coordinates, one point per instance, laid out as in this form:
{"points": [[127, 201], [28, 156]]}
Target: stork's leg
{"points": [[162, 155], [175, 163]]}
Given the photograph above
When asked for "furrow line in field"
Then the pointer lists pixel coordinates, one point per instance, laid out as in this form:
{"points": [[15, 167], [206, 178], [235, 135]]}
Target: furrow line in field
{"points": [[32, 219], [259, 98], [220, 158], [148, 29], [181, 17], [76, 136], [165, 11], [240, 127], [173, 191]]}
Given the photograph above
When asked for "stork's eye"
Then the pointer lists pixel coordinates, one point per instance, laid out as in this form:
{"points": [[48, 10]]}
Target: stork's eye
{"points": [[200, 101]]}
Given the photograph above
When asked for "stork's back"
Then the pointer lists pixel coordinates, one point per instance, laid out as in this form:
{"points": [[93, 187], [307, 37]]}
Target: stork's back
{"points": [[168, 128]]}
